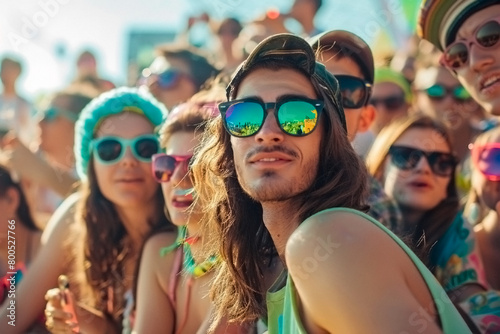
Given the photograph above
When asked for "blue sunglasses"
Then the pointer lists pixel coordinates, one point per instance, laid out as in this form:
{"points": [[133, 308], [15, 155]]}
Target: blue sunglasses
{"points": [[110, 149]]}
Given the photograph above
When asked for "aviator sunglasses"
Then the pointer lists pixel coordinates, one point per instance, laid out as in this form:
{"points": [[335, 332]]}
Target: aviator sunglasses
{"points": [[390, 103], [355, 91], [296, 115], [406, 158], [164, 165], [486, 158], [438, 92], [486, 36], [110, 149]]}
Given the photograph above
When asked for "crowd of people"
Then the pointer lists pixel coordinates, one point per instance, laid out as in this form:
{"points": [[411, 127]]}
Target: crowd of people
{"points": [[285, 183]]}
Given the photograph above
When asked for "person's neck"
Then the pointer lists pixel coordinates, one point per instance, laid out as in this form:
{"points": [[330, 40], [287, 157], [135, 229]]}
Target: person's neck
{"points": [[491, 227], [280, 220], [136, 222], [193, 230], [9, 92]]}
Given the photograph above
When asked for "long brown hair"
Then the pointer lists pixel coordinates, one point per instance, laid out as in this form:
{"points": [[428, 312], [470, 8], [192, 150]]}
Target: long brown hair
{"points": [[234, 221], [102, 248], [436, 221]]}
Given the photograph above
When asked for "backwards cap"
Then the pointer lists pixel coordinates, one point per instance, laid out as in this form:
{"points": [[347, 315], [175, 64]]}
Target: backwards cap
{"points": [[108, 104], [292, 50]]}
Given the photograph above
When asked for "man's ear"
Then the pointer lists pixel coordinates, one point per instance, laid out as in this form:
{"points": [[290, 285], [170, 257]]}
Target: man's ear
{"points": [[12, 198], [366, 118]]}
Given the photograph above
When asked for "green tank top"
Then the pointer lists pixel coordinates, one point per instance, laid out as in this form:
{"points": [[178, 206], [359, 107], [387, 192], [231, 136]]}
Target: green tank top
{"points": [[283, 313]]}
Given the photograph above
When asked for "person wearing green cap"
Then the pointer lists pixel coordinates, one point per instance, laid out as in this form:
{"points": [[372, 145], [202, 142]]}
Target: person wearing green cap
{"points": [[468, 33], [282, 188]]}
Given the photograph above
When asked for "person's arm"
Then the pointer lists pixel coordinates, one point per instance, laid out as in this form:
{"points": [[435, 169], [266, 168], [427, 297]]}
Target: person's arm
{"points": [[43, 272], [351, 277], [30, 166], [154, 313]]}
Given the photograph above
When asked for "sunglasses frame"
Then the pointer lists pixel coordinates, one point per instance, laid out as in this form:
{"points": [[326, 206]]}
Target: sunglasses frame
{"points": [[467, 42], [447, 91], [476, 151], [178, 160], [55, 113], [430, 156], [366, 86], [275, 106], [376, 101], [124, 144]]}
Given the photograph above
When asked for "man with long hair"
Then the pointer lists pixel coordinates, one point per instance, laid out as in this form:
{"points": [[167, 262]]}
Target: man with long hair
{"points": [[282, 188]]}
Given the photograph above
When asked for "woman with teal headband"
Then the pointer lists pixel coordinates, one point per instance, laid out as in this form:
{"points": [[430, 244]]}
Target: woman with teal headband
{"points": [[120, 203]]}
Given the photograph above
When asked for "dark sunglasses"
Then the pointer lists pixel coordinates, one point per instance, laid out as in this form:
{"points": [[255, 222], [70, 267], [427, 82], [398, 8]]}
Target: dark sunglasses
{"points": [[486, 158], [486, 36], [438, 92], [296, 115], [355, 91], [51, 114], [164, 166], [110, 149], [406, 158], [391, 103], [164, 80]]}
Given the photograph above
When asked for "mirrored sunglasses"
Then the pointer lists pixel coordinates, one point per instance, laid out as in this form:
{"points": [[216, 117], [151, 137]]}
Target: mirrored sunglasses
{"points": [[164, 165], [438, 92], [296, 115]]}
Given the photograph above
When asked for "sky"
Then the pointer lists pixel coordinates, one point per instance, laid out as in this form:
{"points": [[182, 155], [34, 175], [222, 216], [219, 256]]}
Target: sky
{"points": [[49, 34]]}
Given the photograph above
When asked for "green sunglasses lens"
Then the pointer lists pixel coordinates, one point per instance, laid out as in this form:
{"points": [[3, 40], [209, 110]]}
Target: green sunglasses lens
{"points": [[436, 91], [461, 93], [244, 119], [297, 118]]}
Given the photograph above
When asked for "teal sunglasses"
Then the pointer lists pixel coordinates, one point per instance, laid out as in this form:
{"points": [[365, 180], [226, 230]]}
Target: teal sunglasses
{"points": [[53, 113], [110, 149]]}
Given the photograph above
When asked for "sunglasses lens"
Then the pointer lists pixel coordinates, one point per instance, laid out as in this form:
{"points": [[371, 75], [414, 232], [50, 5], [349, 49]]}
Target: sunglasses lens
{"points": [[436, 91], [489, 34], [456, 56], [145, 148], [353, 91], [442, 163], [297, 118], [404, 157], [163, 167], [244, 119], [488, 161], [394, 102], [109, 150], [168, 79], [460, 93]]}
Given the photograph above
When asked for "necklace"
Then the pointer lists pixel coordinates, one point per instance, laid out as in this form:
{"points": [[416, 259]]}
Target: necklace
{"points": [[189, 265]]}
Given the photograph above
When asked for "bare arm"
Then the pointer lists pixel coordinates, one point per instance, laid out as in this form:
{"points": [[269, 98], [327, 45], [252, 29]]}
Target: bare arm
{"points": [[43, 271], [154, 312], [350, 278]]}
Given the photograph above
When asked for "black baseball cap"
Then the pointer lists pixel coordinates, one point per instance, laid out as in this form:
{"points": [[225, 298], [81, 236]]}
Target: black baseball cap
{"points": [[351, 45]]}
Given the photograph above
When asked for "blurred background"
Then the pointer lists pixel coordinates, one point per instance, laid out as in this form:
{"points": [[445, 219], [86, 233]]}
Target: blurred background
{"points": [[49, 35]]}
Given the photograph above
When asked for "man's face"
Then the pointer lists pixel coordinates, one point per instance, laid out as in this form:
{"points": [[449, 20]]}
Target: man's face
{"points": [[481, 75], [272, 165], [357, 119]]}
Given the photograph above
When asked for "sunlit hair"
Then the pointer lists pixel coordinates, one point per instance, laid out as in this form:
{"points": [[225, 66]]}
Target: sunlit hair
{"points": [[233, 221], [23, 211], [473, 200], [436, 221], [102, 248]]}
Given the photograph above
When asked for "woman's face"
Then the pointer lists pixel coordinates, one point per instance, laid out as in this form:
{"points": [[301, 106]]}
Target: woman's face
{"points": [[178, 191], [488, 191], [418, 188], [128, 182]]}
